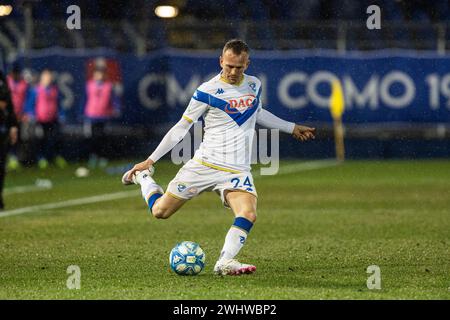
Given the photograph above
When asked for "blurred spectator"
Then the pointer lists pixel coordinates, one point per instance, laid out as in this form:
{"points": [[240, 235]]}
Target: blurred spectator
{"points": [[8, 130], [43, 107], [18, 88], [102, 105]]}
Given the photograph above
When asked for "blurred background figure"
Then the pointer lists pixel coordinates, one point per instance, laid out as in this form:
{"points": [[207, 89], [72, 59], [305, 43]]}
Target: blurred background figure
{"points": [[43, 107], [18, 88], [8, 130], [102, 105]]}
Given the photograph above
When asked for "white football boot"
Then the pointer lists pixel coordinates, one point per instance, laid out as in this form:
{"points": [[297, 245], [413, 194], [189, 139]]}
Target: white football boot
{"points": [[232, 267], [136, 178]]}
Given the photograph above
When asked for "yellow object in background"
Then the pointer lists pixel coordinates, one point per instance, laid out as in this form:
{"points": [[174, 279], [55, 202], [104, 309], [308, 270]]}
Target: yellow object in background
{"points": [[337, 107], [337, 103]]}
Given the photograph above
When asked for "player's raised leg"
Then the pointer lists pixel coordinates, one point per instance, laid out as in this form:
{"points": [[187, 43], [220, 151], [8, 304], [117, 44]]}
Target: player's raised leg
{"points": [[166, 206], [243, 205], [161, 205]]}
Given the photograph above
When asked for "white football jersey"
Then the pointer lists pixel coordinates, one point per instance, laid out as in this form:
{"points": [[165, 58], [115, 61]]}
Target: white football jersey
{"points": [[229, 113]]}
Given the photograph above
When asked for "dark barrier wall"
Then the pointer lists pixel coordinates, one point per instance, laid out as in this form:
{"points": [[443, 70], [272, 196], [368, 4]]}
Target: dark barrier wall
{"points": [[382, 87]]}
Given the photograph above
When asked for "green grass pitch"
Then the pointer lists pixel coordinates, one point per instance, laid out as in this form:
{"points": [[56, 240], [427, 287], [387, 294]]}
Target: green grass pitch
{"points": [[317, 232]]}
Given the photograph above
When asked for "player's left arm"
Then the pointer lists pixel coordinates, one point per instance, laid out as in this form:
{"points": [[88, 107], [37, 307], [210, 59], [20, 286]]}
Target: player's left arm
{"points": [[271, 121], [194, 111]]}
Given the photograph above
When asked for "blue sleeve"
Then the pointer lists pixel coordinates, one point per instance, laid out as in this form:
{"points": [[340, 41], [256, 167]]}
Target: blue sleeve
{"points": [[30, 102], [81, 115], [83, 99], [61, 111], [115, 100]]}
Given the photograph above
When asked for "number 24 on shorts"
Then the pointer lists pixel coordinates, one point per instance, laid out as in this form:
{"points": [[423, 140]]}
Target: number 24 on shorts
{"points": [[236, 182]]}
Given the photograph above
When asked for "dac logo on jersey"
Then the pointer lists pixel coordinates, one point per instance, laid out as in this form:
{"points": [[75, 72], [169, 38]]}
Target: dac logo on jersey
{"points": [[219, 91], [252, 85], [181, 187], [240, 104]]}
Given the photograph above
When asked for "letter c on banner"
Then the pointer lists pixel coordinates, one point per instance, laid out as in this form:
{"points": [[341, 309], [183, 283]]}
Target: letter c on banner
{"points": [[143, 88], [316, 78], [283, 90]]}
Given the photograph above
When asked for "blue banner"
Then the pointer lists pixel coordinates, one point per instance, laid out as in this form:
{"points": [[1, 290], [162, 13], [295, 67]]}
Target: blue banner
{"points": [[378, 88]]}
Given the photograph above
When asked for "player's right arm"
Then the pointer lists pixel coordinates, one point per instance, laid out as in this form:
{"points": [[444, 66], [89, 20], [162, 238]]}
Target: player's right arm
{"points": [[194, 111]]}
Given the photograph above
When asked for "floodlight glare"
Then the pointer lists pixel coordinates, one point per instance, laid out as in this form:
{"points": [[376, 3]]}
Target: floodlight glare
{"points": [[166, 11], [5, 10]]}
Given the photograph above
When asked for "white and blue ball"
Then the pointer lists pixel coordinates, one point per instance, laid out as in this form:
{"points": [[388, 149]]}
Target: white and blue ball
{"points": [[187, 258]]}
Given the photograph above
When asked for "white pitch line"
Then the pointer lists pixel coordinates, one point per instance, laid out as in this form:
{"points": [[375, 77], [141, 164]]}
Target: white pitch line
{"points": [[306, 166], [23, 189], [70, 203], [303, 166], [40, 184]]}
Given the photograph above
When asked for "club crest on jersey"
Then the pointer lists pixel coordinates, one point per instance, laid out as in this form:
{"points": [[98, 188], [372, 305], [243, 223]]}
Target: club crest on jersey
{"points": [[252, 85], [181, 187], [240, 104]]}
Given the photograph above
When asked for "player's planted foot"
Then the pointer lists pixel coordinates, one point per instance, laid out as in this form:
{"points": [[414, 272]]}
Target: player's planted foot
{"points": [[136, 178], [233, 267]]}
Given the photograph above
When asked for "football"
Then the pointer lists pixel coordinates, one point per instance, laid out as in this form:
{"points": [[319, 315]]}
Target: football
{"points": [[187, 258]]}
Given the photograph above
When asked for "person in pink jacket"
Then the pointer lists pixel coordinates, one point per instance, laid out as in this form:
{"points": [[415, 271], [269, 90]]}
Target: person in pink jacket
{"points": [[19, 89], [43, 107], [102, 105]]}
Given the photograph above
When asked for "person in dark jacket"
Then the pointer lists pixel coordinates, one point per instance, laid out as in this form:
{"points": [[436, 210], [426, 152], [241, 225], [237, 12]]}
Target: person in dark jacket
{"points": [[8, 130]]}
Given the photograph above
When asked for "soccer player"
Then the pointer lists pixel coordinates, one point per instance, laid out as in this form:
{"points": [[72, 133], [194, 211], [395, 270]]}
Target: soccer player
{"points": [[230, 105]]}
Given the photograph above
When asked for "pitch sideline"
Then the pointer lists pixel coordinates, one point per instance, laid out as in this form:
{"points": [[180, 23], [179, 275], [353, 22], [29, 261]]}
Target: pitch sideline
{"points": [[304, 166], [71, 203], [39, 185]]}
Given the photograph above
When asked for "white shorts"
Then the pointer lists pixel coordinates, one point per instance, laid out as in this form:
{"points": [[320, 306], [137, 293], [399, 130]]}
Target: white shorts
{"points": [[194, 178]]}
